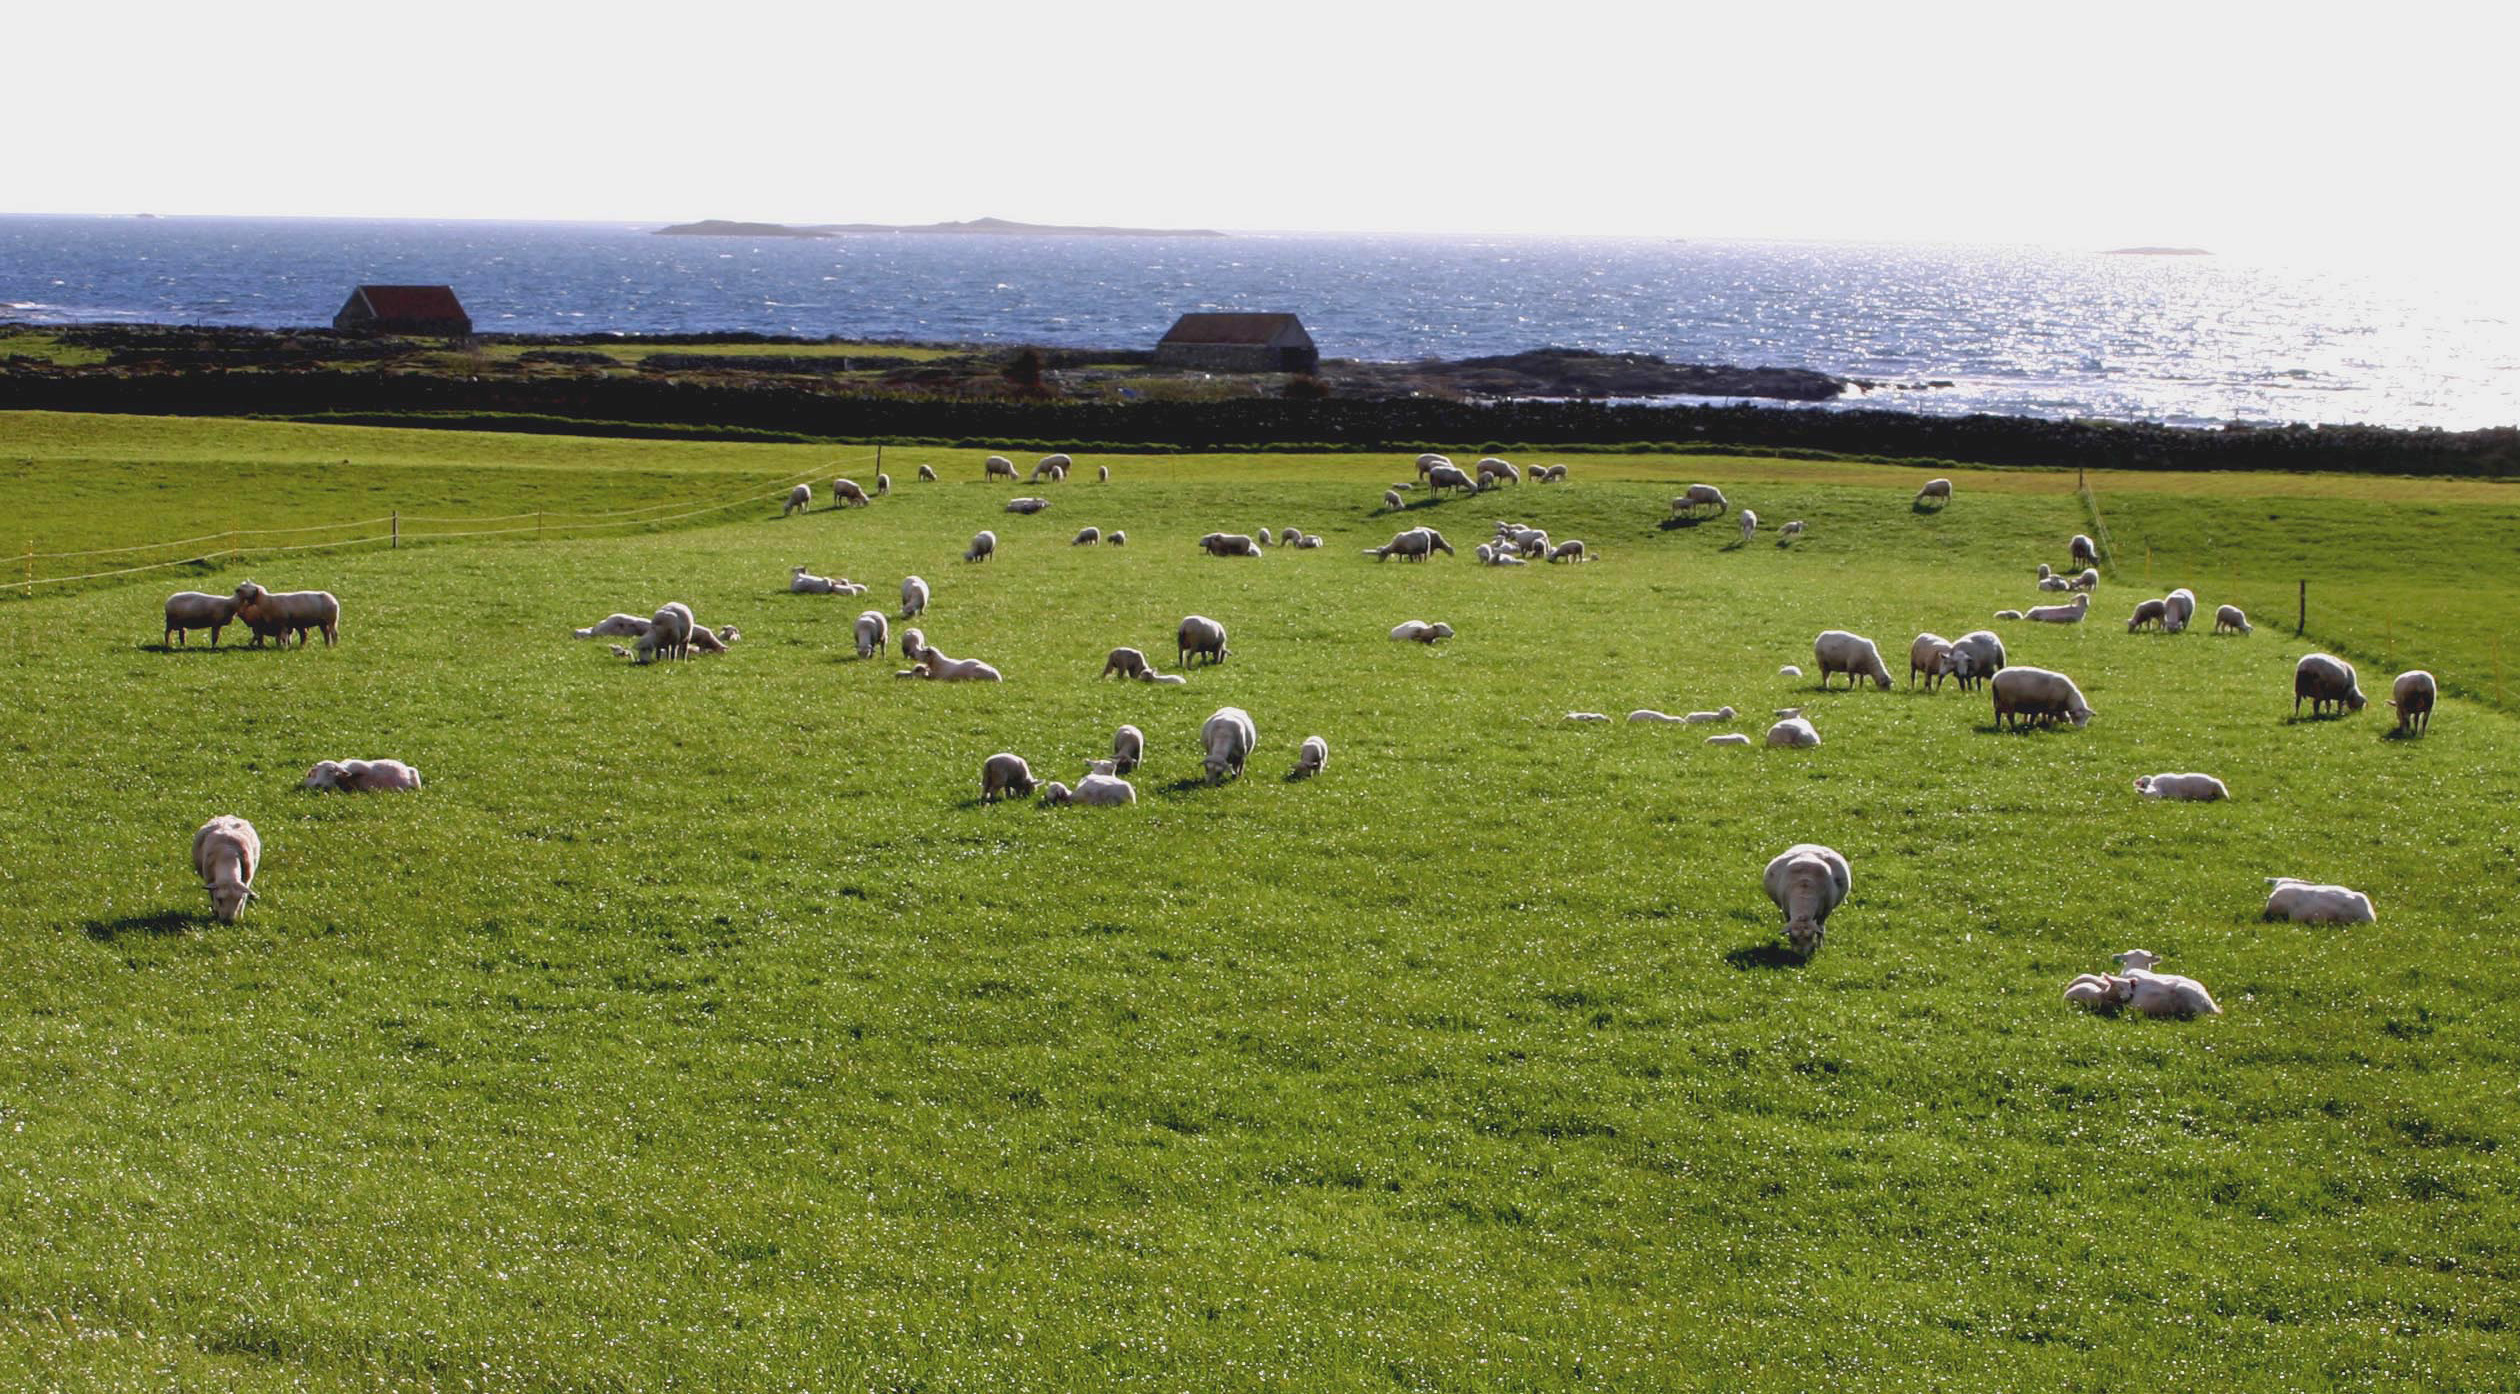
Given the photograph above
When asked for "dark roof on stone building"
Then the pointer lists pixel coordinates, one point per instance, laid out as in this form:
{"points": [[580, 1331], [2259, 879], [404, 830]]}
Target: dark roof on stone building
{"points": [[411, 302], [1209, 328]]}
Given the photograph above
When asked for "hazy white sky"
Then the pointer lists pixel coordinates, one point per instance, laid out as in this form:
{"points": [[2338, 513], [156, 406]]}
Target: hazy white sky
{"points": [[2238, 127]]}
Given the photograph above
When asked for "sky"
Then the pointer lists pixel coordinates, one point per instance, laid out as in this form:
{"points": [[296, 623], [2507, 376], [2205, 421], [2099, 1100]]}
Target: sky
{"points": [[2237, 127]]}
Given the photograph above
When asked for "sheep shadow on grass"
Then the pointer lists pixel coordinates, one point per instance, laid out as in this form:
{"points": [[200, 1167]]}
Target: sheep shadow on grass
{"points": [[163, 647], [1677, 521], [156, 924], [1770, 955], [1921, 506]]}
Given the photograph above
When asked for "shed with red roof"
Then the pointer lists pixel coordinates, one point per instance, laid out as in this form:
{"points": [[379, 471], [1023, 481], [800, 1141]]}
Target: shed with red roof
{"points": [[404, 310]]}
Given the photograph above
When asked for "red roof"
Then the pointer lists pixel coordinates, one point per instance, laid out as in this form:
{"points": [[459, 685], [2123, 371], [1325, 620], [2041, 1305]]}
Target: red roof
{"points": [[413, 302], [1206, 328]]}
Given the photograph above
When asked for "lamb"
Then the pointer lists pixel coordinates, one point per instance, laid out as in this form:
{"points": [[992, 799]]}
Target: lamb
{"points": [[2055, 583], [803, 582], [943, 669], [1700, 495], [983, 546], [2098, 991], [1291, 537], [1089, 537], [1484, 554], [1729, 738], [1002, 774], [1938, 490], [1709, 718], [2087, 579], [668, 634], [614, 626], [277, 615], [1199, 635], [1093, 791], [2199, 788], [2038, 697], [1392, 501], [1308, 542], [1789, 671], [2162, 994], [361, 776], [1311, 758], [2044, 572], [911, 642], [1026, 505], [1644, 714], [1430, 460], [1783, 712], [799, 498], [1552, 474], [1421, 631], [872, 633], [1058, 474], [997, 467], [2412, 694], [1102, 474], [1501, 555], [883, 483], [927, 475], [846, 491], [2305, 903], [2085, 551], [1230, 544], [226, 852], [1060, 463], [707, 641], [1571, 550], [2181, 604], [1749, 524], [1837, 651], [1930, 655], [1117, 538], [1127, 662], [1128, 747], [2008, 614], [1175, 679], [1789, 532], [1229, 738], [2151, 614], [1793, 731], [2326, 681], [2231, 619], [2061, 614], [914, 596], [1587, 716], [190, 610], [1261, 537], [1807, 881], [1531, 542]]}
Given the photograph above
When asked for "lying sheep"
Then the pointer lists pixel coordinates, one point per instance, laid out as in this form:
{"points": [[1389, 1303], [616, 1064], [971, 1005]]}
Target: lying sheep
{"points": [[2061, 614], [2199, 788], [872, 633], [2231, 619], [997, 467], [1093, 791], [2326, 681], [706, 641], [1729, 738], [1311, 758], [942, 669], [804, 582], [1127, 662], [1128, 747], [846, 491], [1308, 541], [2149, 614], [1230, 544], [927, 475], [2305, 903], [1421, 631], [2413, 694], [1644, 714], [2181, 606], [1088, 537], [1789, 671], [1698, 496], [1026, 505], [1587, 716], [1199, 635], [278, 614], [1571, 550], [2055, 583], [1807, 881], [1749, 525], [1228, 737], [2038, 697], [1502, 554], [1837, 651], [799, 498], [614, 626], [1929, 655], [1793, 731], [226, 852], [914, 597], [2008, 614], [2162, 994], [191, 610], [360, 776], [1002, 774], [983, 546], [1939, 490], [1709, 718], [1976, 656]]}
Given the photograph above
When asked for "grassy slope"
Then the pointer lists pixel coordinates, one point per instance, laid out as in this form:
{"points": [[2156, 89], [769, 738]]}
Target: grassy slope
{"points": [[694, 1025]]}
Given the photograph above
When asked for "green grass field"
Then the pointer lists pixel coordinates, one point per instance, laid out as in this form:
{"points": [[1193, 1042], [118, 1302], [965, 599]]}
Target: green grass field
{"points": [[696, 1028]]}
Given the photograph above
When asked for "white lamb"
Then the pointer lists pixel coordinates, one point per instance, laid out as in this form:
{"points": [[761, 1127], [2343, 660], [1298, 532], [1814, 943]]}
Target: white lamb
{"points": [[802, 496], [1976, 656], [2038, 697], [2061, 614], [1793, 731], [1117, 538], [2163, 994], [1936, 489], [1749, 524], [1093, 791], [1929, 655], [1698, 496], [1729, 738], [1789, 532], [2303, 902], [1789, 671], [872, 633], [614, 626], [1421, 631], [226, 852], [804, 582], [914, 597], [361, 776], [2231, 619], [1128, 747], [2413, 694], [1588, 716], [1649, 714], [1709, 718], [2182, 607], [1807, 881], [2199, 788], [1311, 758]]}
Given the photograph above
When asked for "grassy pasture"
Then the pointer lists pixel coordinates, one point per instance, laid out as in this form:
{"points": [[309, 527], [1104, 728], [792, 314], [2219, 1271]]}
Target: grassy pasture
{"points": [[695, 1028]]}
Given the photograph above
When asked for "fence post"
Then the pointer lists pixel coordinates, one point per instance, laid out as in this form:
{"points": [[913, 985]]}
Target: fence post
{"points": [[2301, 625], [538, 517], [30, 568], [879, 457], [2498, 688], [396, 546], [2148, 566]]}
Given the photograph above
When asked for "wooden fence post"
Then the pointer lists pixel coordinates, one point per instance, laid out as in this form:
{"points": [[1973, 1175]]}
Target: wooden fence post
{"points": [[396, 545], [30, 568], [2302, 624]]}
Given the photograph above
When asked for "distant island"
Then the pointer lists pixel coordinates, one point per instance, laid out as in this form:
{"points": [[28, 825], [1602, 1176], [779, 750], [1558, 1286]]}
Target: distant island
{"points": [[977, 227], [2156, 252]]}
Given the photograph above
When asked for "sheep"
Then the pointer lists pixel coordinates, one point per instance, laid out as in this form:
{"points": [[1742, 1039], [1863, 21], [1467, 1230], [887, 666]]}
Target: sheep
{"points": [[1088, 537], [1807, 881], [911, 642], [1729, 738], [2055, 583], [1789, 532], [1058, 474], [1175, 679], [1789, 671], [2044, 571], [1700, 494], [997, 467], [1749, 525], [1416, 544], [1198, 635], [1117, 538], [614, 626], [927, 475], [983, 546], [1230, 544], [1530, 542], [1449, 477], [1002, 774], [1646, 714], [2087, 579], [1571, 550], [668, 633], [2061, 614], [1483, 553], [2151, 614], [2326, 681], [2038, 697], [2161, 994], [1587, 716], [1837, 651], [799, 498], [1127, 662], [883, 483], [2412, 694], [1308, 542], [1502, 554], [2181, 605], [1938, 490], [1102, 474], [2085, 552], [1290, 537], [1783, 712], [1026, 505], [914, 597], [1976, 656], [1793, 731], [872, 633], [1128, 748], [1311, 758], [2231, 619], [1052, 462], [226, 852], [2008, 614], [943, 669], [1421, 631], [1229, 738], [1551, 474], [277, 614], [190, 610], [1930, 655], [2098, 991], [707, 641], [1709, 718], [846, 491], [1093, 791], [1498, 470], [804, 582], [1261, 537], [2199, 788], [1392, 502], [1430, 460], [360, 776], [2303, 902]]}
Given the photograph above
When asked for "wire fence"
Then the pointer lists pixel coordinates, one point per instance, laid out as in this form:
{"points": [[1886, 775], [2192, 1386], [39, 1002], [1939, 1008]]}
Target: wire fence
{"points": [[395, 529]]}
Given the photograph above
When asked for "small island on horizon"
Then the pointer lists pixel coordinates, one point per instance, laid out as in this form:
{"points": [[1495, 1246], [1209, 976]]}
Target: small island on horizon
{"points": [[977, 227]]}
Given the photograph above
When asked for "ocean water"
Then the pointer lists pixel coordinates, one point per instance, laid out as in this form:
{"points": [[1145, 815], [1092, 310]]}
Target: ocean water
{"points": [[2022, 331]]}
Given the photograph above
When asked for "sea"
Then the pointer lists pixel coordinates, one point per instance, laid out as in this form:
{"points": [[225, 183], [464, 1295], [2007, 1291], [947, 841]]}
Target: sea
{"points": [[2192, 340]]}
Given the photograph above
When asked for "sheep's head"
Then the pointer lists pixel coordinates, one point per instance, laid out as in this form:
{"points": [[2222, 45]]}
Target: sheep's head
{"points": [[1102, 767], [1056, 793], [327, 774], [2082, 716], [1881, 677], [1804, 935], [2136, 959], [247, 593], [1440, 630], [229, 901], [2355, 701]]}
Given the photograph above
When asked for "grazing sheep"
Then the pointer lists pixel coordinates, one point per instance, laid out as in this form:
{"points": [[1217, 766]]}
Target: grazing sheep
{"points": [[668, 634], [911, 642], [804, 582], [1117, 538], [927, 475], [1289, 537], [883, 483], [1807, 881], [1228, 738], [1938, 490], [2326, 681], [614, 626], [190, 610], [1531, 542], [1392, 501], [1127, 662], [1571, 550], [1443, 477], [1058, 474], [1311, 758], [997, 467], [1421, 631], [1261, 537], [872, 633], [361, 776], [1789, 532], [2085, 552], [2161, 994], [914, 597], [1729, 738], [2412, 694], [1976, 656], [1749, 524], [226, 852], [1308, 541], [1700, 495], [2232, 619], [983, 546], [1789, 671], [1430, 460], [1199, 635], [1793, 731], [1102, 474], [1003, 774], [1837, 651], [2087, 579], [1552, 474], [2303, 902], [2199, 788], [1230, 544], [1587, 716], [1930, 655], [1049, 463], [1497, 470], [1026, 505], [2055, 583], [1089, 537], [846, 491], [1128, 747], [278, 614], [943, 669], [1709, 718], [2150, 614], [2038, 697], [800, 497], [1416, 544], [2181, 605], [1642, 714], [2061, 614]]}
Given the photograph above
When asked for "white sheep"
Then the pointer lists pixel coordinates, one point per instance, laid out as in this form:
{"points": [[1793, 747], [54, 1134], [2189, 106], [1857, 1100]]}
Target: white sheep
{"points": [[1492, 468], [983, 546], [1789, 532], [1128, 747], [1649, 714], [276, 614], [1793, 731], [2087, 579], [872, 633], [1789, 671], [1311, 758], [1291, 537], [804, 582], [997, 467], [911, 642], [1783, 712], [943, 669], [1697, 496], [1392, 500], [191, 610], [1938, 490], [1571, 550], [2181, 604], [927, 474], [1060, 463], [2231, 619], [2061, 614], [2055, 583], [1443, 477], [2198, 788], [1421, 631], [2085, 552], [1414, 544], [1230, 544], [1102, 474], [226, 852], [2038, 697], [800, 497], [1729, 738], [1088, 537], [883, 483], [1127, 662], [1929, 655], [2304, 902], [1807, 881], [1976, 656], [705, 640], [1308, 541], [361, 776], [1093, 791], [1749, 524], [2326, 681], [2162, 994], [2149, 614], [1837, 651], [2008, 614], [1500, 555], [914, 597], [1002, 774], [1026, 505], [1198, 635], [1228, 737], [2044, 572], [2413, 694], [846, 491], [1709, 718], [614, 626], [668, 634], [1588, 716]]}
